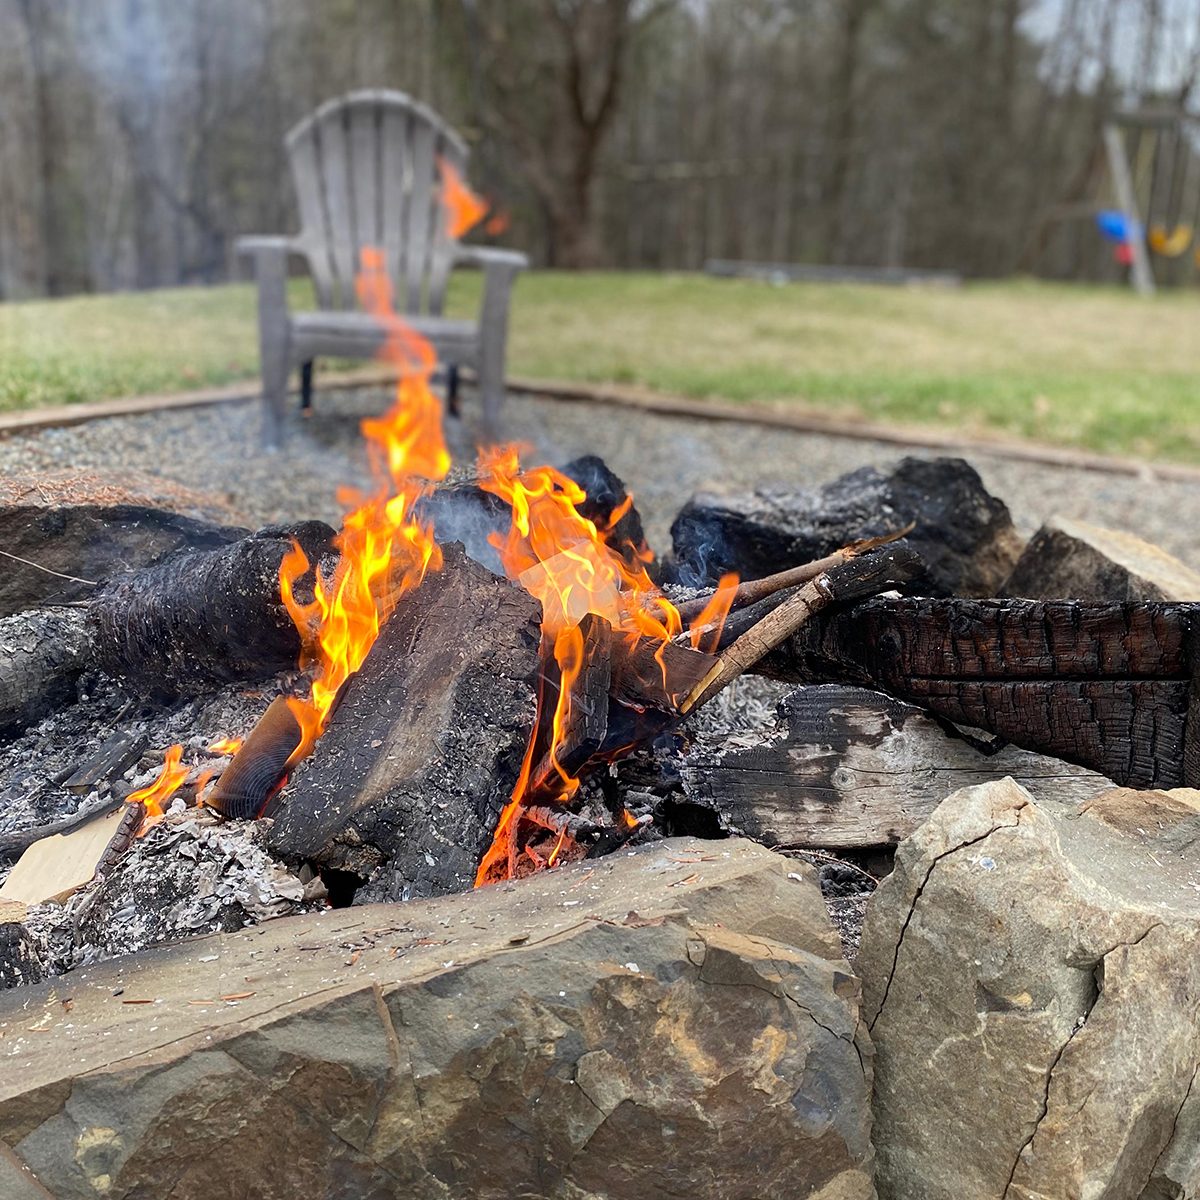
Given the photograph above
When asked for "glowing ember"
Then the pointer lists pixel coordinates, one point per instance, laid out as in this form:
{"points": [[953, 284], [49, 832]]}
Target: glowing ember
{"points": [[385, 550], [170, 779]]}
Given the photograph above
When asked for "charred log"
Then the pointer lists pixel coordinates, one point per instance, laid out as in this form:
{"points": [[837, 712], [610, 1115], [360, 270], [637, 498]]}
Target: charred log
{"points": [[848, 768], [205, 616], [258, 768], [964, 534], [1108, 687], [424, 747], [42, 655], [63, 533]]}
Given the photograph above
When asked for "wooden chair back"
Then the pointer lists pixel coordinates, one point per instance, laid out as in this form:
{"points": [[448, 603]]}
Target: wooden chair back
{"points": [[366, 170]]}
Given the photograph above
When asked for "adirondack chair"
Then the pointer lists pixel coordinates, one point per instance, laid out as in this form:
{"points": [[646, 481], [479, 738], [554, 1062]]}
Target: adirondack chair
{"points": [[366, 172]]}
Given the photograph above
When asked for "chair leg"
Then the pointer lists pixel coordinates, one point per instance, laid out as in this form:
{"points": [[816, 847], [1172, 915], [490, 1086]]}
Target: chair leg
{"points": [[274, 382], [306, 384], [453, 403]]}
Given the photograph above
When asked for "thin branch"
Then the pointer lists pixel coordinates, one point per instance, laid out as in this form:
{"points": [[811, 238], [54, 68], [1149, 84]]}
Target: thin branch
{"points": [[48, 571]]}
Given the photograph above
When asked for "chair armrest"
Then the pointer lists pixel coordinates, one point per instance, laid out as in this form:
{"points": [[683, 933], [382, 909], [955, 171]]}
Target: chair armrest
{"points": [[262, 243], [489, 257]]}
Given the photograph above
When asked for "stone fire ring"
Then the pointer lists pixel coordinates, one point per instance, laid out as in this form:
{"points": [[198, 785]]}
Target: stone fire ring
{"points": [[673, 1020]]}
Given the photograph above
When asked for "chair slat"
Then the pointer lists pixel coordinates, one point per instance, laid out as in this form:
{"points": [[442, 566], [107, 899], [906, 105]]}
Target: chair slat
{"points": [[364, 173], [421, 197], [394, 190], [314, 227], [442, 253], [335, 177]]}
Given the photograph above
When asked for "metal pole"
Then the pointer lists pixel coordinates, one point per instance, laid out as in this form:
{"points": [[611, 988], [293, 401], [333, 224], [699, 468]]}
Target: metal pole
{"points": [[1118, 163]]}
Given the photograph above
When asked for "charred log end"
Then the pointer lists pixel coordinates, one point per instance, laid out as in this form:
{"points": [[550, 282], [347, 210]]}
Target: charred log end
{"points": [[258, 769]]}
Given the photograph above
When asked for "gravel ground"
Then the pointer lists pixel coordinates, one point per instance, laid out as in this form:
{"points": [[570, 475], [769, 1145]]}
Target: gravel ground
{"points": [[663, 459]]}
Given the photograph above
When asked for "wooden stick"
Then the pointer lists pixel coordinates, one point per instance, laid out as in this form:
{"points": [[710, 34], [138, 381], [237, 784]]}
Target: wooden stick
{"points": [[760, 639], [854, 579], [750, 591]]}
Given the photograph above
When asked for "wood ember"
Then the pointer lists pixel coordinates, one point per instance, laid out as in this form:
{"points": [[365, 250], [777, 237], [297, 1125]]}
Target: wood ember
{"points": [[423, 749], [964, 534], [205, 616], [73, 529], [1105, 686]]}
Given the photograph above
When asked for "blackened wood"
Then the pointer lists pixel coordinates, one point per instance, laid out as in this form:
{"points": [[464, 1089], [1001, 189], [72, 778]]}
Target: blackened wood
{"points": [[608, 506], [849, 581], [257, 769], [965, 535], [42, 655], [1104, 686], [649, 674], [111, 759], [993, 639], [844, 767], [81, 527], [205, 616], [424, 747], [587, 721]]}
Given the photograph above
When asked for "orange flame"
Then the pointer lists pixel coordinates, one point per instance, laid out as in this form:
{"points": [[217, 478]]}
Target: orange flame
{"points": [[562, 559], [463, 208], [705, 631], [226, 746], [497, 223], [153, 796], [385, 550]]}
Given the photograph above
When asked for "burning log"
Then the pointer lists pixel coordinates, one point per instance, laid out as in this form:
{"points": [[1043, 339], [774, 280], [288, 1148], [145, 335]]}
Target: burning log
{"points": [[259, 767], [426, 740], [211, 616], [1107, 686]]}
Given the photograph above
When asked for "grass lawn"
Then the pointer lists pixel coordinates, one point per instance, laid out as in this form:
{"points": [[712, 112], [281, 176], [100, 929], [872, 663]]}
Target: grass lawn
{"points": [[1091, 367]]}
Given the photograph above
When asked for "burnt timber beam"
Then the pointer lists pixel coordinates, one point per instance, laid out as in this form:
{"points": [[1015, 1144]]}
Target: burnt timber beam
{"points": [[1106, 686]]}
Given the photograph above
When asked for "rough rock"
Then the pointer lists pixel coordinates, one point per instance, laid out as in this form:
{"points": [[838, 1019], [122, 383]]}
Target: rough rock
{"points": [[1073, 560], [1032, 978], [964, 535], [672, 1021], [82, 528]]}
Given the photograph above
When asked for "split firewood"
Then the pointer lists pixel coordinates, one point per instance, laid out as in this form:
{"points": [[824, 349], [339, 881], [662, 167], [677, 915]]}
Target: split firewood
{"points": [[258, 767]]}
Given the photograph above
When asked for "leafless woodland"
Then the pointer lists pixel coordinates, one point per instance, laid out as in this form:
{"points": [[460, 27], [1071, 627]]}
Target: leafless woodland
{"points": [[139, 137]]}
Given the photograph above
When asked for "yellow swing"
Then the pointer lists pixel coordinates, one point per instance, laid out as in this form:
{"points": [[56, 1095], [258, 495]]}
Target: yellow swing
{"points": [[1171, 243]]}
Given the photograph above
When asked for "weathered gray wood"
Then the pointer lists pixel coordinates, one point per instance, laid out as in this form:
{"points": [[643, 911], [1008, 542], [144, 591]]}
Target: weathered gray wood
{"points": [[845, 767], [1141, 274], [365, 169], [335, 182], [422, 202], [42, 655]]}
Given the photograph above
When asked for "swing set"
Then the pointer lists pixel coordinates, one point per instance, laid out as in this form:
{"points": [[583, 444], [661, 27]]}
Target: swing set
{"points": [[1153, 160]]}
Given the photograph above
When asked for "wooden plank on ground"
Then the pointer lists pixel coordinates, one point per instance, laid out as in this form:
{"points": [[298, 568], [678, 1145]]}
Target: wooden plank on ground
{"points": [[58, 866]]}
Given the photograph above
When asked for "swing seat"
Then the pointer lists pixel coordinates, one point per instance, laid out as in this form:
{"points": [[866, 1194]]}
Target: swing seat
{"points": [[1170, 245]]}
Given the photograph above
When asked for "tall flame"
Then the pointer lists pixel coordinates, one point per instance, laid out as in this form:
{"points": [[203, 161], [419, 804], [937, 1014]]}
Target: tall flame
{"points": [[567, 563], [385, 550], [462, 207]]}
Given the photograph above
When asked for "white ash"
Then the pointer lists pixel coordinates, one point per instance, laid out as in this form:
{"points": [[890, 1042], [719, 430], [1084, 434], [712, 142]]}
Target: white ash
{"points": [[748, 705], [190, 874]]}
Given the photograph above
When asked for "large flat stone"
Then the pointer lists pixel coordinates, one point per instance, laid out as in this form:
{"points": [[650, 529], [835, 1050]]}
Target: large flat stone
{"points": [[1032, 977], [674, 1020]]}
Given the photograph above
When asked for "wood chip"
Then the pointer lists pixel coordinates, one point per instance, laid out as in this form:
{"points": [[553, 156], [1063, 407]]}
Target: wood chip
{"points": [[239, 996]]}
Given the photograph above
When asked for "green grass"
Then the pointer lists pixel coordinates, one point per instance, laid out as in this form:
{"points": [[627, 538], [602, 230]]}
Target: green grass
{"points": [[1090, 367]]}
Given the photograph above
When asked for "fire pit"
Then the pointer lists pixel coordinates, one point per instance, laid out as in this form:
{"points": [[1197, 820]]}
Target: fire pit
{"points": [[482, 693]]}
